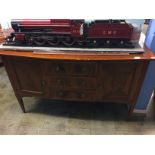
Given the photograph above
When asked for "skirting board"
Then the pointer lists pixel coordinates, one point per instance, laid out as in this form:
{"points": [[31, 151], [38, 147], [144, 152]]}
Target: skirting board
{"points": [[139, 111]]}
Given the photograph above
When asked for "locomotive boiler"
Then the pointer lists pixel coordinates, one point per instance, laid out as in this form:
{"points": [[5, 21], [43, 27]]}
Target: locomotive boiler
{"points": [[73, 33]]}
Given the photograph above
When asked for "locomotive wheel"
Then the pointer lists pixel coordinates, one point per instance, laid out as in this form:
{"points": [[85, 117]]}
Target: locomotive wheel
{"points": [[121, 43], [68, 41], [39, 41], [95, 43], [29, 40], [53, 41], [107, 43]]}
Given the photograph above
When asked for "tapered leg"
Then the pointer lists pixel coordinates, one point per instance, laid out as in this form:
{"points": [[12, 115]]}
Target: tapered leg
{"points": [[21, 103], [130, 110]]}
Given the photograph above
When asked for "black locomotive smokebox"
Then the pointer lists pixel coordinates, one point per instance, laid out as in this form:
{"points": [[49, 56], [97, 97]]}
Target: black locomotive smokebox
{"points": [[15, 25]]}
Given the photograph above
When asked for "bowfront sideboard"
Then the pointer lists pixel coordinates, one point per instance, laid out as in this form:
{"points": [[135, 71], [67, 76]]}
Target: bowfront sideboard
{"points": [[74, 76]]}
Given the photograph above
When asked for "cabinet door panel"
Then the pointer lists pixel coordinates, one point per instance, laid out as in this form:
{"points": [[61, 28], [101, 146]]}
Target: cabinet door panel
{"points": [[28, 75], [117, 80]]}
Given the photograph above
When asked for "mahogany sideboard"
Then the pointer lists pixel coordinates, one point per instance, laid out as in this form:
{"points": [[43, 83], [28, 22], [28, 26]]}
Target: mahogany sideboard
{"points": [[77, 76], [1, 40]]}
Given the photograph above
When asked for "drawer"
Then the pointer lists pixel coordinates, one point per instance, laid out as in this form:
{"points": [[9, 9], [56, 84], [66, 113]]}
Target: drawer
{"points": [[72, 82], [70, 68], [72, 95], [84, 68]]}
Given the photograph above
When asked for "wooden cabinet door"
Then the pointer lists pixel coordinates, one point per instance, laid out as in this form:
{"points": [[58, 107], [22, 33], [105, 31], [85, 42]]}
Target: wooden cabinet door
{"points": [[28, 76], [120, 81]]}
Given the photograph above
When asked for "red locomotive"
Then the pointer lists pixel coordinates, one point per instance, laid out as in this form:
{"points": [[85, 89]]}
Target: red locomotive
{"points": [[66, 32]]}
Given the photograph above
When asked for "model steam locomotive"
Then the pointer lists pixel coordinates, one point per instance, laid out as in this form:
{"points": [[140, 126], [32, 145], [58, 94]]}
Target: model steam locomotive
{"points": [[71, 33]]}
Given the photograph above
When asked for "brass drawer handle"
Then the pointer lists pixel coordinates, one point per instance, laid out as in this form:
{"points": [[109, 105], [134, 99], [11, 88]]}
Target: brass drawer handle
{"points": [[59, 68], [99, 85], [82, 83], [43, 83], [61, 94], [81, 69], [81, 95], [84, 69], [60, 82]]}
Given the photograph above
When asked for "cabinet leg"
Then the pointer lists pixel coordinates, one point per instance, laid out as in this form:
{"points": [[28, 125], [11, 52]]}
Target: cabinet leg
{"points": [[130, 111], [21, 103]]}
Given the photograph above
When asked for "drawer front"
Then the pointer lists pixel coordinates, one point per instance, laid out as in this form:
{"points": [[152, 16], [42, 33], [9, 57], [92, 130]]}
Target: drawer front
{"points": [[69, 68], [72, 95], [72, 82]]}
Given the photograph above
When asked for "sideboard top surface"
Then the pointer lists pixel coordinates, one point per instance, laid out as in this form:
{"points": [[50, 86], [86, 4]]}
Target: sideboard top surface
{"points": [[75, 55]]}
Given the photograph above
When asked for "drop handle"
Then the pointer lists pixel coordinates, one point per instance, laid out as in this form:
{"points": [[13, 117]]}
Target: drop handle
{"points": [[84, 69], [82, 83], [60, 82], [99, 85], [43, 83], [81, 95], [59, 68], [61, 94]]}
